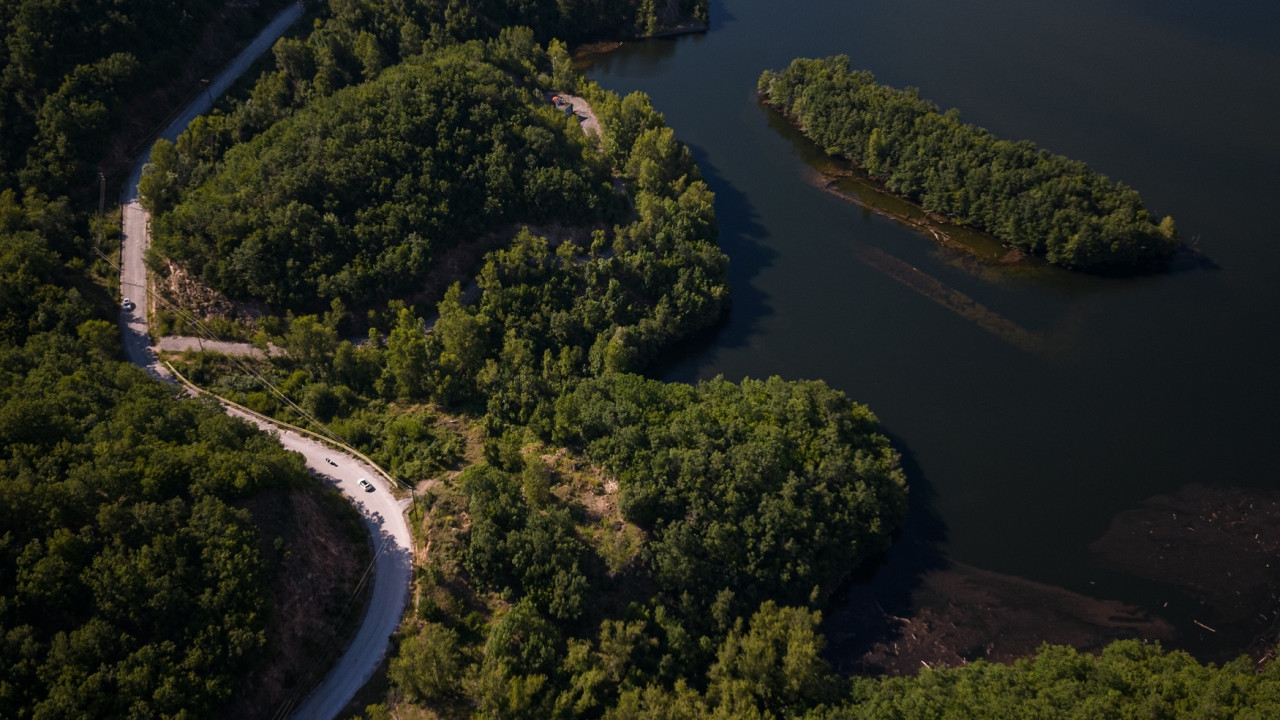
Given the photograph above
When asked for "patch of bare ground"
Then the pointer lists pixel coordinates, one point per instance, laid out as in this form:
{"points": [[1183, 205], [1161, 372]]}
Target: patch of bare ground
{"points": [[195, 296], [585, 54], [317, 551], [1221, 546], [894, 207], [591, 493], [960, 613], [614, 568]]}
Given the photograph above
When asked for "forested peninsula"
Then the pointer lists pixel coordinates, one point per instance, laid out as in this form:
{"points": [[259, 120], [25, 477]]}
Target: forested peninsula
{"points": [[575, 510], [1033, 200]]}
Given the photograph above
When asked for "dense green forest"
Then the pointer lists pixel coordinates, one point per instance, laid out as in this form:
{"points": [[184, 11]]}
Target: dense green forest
{"points": [[131, 584], [548, 594], [540, 356], [356, 196], [598, 297], [134, 581], [614, 546], [68, 70], [770, 490], [776, 672], [601, 545], [1038, 202]]}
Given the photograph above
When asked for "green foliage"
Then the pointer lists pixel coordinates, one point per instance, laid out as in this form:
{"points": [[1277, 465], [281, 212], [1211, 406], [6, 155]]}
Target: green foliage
{"points": [[69, 67], [547, 315], [1036, 201], [775, 664], [1128, 681], [130, 586], [518, 657], [771, 489], [36, 290], [428, 664], [535, 482], [354, 196], [532, 553]]}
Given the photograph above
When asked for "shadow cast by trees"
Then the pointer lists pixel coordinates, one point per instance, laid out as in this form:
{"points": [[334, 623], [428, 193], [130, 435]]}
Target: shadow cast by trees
{"points": [[861, 613], [742, 239]]}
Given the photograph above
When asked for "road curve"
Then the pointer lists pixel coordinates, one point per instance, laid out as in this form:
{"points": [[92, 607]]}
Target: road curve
{"points": [[383, 515], [384, 518]]}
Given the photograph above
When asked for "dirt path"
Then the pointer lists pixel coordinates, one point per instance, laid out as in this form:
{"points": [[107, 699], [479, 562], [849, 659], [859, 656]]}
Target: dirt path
{"points": [[582, 109], [183, 343]]}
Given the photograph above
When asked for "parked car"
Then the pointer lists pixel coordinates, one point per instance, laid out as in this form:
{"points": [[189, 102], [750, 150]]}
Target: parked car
{"points": [[128, 305], [368, 486]]}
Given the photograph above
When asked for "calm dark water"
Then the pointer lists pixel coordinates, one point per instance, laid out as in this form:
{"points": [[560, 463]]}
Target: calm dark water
{"points": [[1139, 386]]}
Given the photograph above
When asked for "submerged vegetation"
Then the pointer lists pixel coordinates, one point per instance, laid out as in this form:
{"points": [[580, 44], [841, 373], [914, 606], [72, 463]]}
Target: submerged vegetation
{"points": [[1038, 202]]}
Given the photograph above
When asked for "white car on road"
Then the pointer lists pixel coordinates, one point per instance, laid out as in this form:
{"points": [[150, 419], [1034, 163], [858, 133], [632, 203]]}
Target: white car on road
{"points": [[366, 485]]}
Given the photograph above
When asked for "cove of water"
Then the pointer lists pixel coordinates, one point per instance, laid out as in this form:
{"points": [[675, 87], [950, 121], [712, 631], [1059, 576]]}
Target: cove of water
{"points": [[1021, 452]]}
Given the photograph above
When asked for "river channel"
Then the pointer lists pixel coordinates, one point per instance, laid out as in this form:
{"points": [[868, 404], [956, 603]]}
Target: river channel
{"points": [[1032, 405]]}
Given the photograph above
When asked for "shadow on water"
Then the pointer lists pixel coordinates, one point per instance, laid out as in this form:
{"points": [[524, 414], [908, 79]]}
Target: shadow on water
{"points": [[720, 16], [742, 240], [974, 251], [643, 57], [858, 615], [915, 607]]}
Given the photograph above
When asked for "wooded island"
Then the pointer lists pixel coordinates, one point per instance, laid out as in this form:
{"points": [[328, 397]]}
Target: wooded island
{"points": [[1036, 201]]}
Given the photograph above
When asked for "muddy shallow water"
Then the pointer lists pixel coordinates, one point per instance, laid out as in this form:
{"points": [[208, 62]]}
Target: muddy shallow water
{"points": [[1210, 558]]}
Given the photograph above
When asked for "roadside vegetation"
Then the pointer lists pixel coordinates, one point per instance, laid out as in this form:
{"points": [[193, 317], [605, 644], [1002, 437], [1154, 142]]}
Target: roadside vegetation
{"points": [[143, 553], [71, 69], [134, 581], [1036, 201]]}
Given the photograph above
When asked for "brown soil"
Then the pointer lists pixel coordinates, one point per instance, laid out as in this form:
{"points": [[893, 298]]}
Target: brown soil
{"points": [[193, 295], [584, 54], [930, 224], [960, 613], [317, 566], [1218, 545]]}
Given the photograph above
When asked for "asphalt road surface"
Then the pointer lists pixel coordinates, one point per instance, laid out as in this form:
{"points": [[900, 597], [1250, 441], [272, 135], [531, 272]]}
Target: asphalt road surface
{"points": [[383, 515], [384, 518]]}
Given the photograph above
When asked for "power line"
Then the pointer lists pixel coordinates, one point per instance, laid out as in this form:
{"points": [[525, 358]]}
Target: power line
{"points": [[207, 333], [288, 706]]}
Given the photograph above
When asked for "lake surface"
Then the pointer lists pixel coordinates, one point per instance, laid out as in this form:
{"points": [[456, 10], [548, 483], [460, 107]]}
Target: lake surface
{"points": [[1133, 387]]}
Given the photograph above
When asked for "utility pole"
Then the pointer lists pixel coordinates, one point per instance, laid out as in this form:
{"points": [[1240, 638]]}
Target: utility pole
{"points": [[102, 200], [205, 82]]}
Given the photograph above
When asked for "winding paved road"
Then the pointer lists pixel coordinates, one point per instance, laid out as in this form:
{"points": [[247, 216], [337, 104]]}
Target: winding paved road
{"points": [[383, 515]]}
